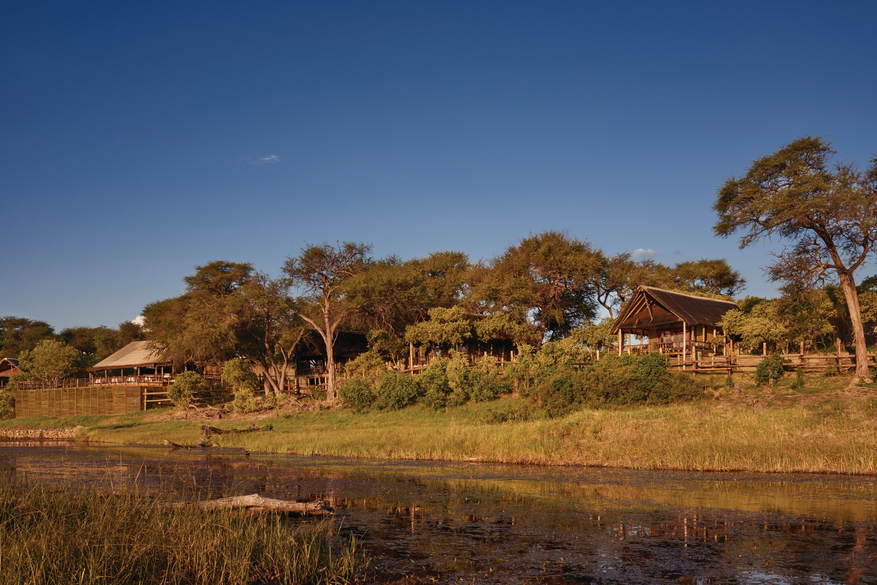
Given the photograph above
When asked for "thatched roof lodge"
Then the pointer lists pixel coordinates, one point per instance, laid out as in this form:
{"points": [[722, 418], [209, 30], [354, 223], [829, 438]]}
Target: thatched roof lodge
{"points": [[670, 322]]}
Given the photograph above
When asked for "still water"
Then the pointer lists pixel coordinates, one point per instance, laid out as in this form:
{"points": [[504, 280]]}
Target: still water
{"points": [[424, 522]]}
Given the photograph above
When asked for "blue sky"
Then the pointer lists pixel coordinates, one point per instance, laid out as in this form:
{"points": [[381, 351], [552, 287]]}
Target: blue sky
{"points": [[141, 139]]}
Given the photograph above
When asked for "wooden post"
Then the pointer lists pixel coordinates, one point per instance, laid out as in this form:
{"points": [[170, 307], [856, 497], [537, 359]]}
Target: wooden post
{"points": [[684, 344], [411, 357], [620, 341], [764, 348]]}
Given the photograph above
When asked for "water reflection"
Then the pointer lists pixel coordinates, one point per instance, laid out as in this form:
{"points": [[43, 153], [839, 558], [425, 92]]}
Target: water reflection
{"points": [[448, 523]]}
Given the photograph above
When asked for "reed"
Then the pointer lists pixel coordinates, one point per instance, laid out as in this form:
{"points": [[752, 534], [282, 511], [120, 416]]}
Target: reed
{"points": [[79, 536]]}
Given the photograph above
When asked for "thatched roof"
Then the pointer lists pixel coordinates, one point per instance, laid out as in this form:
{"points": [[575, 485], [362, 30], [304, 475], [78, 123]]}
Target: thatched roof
{"points": [[135, 354], [653, 307]]}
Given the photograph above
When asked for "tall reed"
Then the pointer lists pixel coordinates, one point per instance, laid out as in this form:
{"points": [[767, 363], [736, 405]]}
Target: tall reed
{"points": [[80, 536]]}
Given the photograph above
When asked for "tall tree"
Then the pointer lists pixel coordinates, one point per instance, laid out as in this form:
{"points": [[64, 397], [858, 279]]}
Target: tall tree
{"points": [[321, 272], [18, 334], [268, 328], [825, 214], [547, 278], [200, 325]]}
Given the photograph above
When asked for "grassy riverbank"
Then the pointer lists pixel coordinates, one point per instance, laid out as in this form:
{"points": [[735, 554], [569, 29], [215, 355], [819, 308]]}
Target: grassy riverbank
{"points": [[79, 536], [831, 427]]}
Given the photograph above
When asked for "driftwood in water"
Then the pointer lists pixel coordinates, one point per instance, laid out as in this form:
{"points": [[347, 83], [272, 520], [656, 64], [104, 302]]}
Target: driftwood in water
{"points": [[256, 503], [201, 445], [207, 430]]}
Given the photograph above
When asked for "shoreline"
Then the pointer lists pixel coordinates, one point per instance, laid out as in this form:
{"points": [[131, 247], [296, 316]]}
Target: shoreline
{"points": [[836, 435]]}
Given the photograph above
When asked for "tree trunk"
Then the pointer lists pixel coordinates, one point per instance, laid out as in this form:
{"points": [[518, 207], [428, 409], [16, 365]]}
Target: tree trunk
{"points": [[329, 340], [852, 297]]}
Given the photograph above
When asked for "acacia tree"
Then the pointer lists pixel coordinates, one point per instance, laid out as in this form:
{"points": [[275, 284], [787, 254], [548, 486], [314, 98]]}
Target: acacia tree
{"points": [[200, 325], [547, 278], [321, 271], [268, 328], [18, 334], [825, 214]]}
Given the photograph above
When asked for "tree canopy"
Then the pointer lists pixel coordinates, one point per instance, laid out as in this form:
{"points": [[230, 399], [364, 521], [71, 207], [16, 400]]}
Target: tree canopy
{"points": [[321, 273], [825, 215]]}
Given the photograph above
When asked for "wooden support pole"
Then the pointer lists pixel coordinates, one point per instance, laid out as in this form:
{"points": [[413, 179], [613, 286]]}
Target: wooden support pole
{"points": [[684, 343]]}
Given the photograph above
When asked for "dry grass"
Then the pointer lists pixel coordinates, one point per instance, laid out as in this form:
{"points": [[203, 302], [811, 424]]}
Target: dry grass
{"points": [[829, 427], [77, 536]]}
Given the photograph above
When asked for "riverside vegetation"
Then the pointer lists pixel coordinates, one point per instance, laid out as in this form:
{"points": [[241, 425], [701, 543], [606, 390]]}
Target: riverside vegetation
{"points": [[83, 536], [621, 412]]}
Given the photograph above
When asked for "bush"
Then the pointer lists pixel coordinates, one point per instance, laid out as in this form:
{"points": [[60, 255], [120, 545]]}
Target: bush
{"points": [[629, 379], [434, 385], [187, 387], [7, 404], [356, 394], [521, 371], [396, 390], [366, 366], [560, 394], [486, 386], [769, 370], [238, 374]]}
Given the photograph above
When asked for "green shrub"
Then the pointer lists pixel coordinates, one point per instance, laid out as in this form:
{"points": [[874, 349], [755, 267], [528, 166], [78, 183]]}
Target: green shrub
{"points": [[521, 371], [560, 394], [244, 401], [7, 404], [832, 370], [366, 366], [769, 370], [395, 391], [628, 379], [434, 385], [187, 387], [486, 386], [238, 375], [458, 372], [356, 394]]}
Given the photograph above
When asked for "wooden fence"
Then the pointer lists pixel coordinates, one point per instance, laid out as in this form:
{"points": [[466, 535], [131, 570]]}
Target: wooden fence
{"points": [[100, 399], [77, 401]]}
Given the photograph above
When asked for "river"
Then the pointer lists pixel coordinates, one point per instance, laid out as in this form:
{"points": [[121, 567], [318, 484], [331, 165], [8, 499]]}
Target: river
{"points": [[427, 522]]}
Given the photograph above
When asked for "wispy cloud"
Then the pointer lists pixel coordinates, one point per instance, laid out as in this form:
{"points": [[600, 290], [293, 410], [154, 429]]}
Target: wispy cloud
{"points": [[265, 160], [643, 254]]}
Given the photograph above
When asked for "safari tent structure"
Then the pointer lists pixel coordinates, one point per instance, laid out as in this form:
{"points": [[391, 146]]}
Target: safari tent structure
{"points": [[137, 362], [673, 323]]}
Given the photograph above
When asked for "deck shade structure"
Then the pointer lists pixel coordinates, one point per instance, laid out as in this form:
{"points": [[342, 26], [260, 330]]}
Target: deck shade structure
{"points": [[674, 323], [135, 359]]}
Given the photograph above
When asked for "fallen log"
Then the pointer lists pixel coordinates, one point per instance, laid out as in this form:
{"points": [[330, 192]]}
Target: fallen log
{"points": [[256, 503], [203, 443], [207, 430]]}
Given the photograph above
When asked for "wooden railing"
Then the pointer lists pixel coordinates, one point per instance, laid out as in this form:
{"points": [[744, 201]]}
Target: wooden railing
{"points": [[143, 380]]}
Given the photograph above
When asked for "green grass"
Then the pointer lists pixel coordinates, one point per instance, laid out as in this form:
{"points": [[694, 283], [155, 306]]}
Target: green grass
{"points": [[81, 536], [830, 427]]}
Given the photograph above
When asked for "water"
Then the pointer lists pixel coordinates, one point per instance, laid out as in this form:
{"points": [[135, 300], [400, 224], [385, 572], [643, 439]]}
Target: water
{"points": [[424, 522]]}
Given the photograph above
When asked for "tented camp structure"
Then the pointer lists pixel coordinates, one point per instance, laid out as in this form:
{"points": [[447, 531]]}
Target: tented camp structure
{"points": [[673, 323], [137, 362]]}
